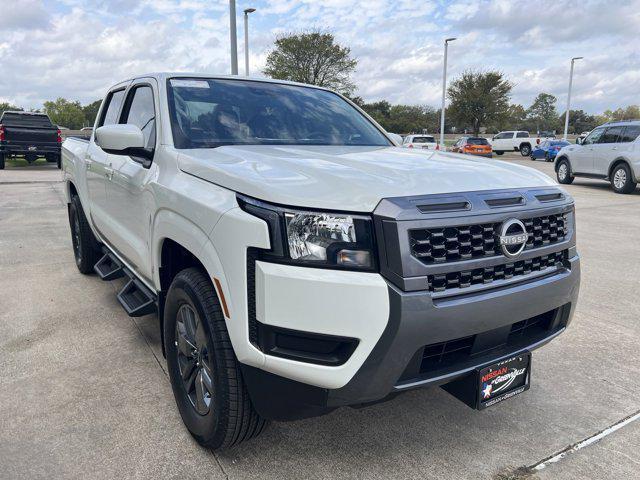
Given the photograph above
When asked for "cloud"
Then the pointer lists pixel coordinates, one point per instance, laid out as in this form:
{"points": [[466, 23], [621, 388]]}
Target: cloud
{"points": [[77, 48]]}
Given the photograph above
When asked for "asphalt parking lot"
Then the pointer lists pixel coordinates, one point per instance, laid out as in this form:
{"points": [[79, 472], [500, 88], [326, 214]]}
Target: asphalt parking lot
{"points": [[84, 392]]}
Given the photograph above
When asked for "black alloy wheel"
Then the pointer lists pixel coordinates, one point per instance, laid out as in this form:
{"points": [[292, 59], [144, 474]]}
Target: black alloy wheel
{"points": [[194, 360]]}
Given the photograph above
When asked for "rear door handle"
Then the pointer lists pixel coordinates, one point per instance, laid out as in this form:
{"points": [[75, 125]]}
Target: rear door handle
{"points": [[108, 172], [87, 163]]}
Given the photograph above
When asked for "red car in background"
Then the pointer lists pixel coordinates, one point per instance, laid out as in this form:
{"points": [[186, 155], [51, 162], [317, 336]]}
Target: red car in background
{"points": [[473, 146]]}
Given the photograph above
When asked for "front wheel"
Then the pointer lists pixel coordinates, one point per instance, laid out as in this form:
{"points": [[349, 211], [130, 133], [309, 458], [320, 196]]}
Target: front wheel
{"points": [[498, 152], [205, 375], [525, 150], [621, 179], [563, 172]]}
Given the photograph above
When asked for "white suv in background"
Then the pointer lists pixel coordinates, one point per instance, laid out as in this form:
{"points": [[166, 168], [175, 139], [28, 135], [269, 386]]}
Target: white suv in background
{"points": [[610, 152], [427, 142]]}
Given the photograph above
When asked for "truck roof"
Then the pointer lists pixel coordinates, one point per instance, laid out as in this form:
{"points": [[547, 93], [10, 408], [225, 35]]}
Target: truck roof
{"points": [[164, 76]]}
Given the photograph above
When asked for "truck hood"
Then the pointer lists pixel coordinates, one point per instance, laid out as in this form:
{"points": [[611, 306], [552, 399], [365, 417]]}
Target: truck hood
{"points": [[349, 178]]}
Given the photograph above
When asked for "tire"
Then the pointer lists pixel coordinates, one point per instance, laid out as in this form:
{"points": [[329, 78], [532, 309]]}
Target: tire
{"points": [[85, 245], [532, 158], [548, 158], [59, 162], [197, 341], [563, 172], [2, 161], [621, 179], [525, 150], [50, 158], [497, 152]]}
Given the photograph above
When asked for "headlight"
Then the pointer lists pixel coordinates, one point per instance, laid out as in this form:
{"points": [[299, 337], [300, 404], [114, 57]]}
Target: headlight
{"points": [[323, 239]]}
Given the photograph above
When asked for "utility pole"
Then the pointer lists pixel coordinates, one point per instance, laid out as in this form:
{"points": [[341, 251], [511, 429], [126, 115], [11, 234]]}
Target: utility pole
{"points": [[566, 117], [247, 11], [444, 91], [233, 38]]}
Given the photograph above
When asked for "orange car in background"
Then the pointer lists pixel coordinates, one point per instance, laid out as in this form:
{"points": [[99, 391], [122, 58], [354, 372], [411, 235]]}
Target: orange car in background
{"points": [[473, 146]]}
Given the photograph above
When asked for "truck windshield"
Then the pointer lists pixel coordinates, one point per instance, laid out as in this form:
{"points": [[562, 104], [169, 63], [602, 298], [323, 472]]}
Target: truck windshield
{"points": [[208, 113]]}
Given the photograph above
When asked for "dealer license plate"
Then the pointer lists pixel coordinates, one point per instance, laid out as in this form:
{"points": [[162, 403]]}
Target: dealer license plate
{"points": [[503, 380]]}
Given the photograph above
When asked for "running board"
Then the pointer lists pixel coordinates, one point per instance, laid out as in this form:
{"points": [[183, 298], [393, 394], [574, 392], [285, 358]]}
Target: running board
{"points": [[136, 298], [109, 267]]}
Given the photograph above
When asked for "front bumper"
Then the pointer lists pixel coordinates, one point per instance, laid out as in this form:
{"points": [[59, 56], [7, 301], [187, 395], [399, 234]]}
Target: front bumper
{"points": [[417, 320]]}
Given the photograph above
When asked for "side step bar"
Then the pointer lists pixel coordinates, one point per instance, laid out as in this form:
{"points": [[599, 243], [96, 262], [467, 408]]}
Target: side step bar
{"points": [[135, 297], [109, 267]]}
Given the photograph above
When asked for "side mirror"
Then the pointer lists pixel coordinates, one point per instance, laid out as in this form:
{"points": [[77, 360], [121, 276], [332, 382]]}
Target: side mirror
{"points": [[124, 139], [579, 141]]}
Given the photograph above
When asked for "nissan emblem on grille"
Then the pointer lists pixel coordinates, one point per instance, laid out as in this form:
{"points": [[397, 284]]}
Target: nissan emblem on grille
{"points": [[513, 237]]}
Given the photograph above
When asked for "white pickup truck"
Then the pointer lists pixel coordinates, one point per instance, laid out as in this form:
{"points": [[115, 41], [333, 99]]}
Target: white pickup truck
{"points": [[299, 261], [515, 141]]}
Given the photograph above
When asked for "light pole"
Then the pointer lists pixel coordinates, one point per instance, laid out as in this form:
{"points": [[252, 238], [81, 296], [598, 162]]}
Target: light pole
{"points": [[247, 11], [444, 90], [233, 39], [566, 117]]}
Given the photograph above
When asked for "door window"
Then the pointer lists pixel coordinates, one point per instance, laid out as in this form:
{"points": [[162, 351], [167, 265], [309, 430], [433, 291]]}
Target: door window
{"points": [[522, 135], [629, 134], [141, 113], [593, 137], [114, 102], [504, 135], [611, 135]]}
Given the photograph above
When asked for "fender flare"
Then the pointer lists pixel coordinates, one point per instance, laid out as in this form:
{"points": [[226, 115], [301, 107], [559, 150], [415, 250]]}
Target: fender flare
{"points": [[617, 161]]}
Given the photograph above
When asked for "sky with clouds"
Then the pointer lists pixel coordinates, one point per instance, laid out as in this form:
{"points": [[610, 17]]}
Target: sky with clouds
{"points": [[78, 48]]}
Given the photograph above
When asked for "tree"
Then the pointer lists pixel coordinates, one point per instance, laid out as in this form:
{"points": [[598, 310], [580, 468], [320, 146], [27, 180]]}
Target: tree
{"points": [[632, 112], [91, 112], [4, 106], [478, 99], [65, 113], [579, 121], [314, 58], [542, 112]]}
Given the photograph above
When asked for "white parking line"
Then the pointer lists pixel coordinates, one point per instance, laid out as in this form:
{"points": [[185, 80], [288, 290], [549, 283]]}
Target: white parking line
{"points": [[585, 443]]}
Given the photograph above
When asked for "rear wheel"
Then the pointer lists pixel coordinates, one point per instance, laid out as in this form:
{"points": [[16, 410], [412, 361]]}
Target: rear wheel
{"points": [[498, 152], [621, 179], [563, 172], [204, 372], [85, 245], [2, 161], [525, 150]]}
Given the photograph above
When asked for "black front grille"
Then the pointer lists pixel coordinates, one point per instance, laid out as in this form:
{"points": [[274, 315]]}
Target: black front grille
{"points": [[450, 244], [466, 278], [443, 355]]}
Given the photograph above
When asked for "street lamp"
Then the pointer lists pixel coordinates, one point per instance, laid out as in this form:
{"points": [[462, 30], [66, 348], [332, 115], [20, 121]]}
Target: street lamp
{"points": [[566, 117], [247, 11], [444, 90], [233, 39]]}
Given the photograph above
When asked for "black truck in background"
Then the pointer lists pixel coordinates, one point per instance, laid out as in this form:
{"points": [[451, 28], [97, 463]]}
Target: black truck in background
{"points": [[30, 135]]}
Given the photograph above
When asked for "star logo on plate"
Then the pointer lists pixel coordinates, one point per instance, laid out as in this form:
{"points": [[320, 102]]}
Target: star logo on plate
{"points": [[486, 391]]}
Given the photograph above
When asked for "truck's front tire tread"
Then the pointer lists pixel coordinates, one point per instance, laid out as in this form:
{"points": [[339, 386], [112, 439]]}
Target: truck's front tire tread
{"points": [[88, 250], [232, 418]]}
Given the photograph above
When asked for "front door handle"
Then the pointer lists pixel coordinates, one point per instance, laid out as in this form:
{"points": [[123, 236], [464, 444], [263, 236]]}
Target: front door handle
{"points": [[87, 163]]}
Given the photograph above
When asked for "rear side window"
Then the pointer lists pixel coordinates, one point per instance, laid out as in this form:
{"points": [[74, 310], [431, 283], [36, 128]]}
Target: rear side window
{"points": [[522, 135], [114, 102], [25, 120], [142, 113], [611, 135], [629, 134], [424, 140]]}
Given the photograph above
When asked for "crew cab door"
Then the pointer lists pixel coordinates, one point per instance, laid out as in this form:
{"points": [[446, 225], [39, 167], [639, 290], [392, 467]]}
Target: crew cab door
{"points": [[131, 203], [98, 164], [503, 141]]}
